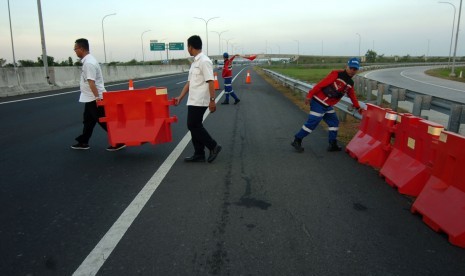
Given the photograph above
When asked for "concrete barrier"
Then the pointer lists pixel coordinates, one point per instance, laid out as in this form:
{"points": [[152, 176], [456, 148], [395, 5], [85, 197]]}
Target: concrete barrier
{"points": [[32, 79]]}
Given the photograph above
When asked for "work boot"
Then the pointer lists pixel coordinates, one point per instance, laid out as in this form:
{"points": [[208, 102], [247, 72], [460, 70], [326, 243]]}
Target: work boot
{"points": [[297, 144], [333, 146], [225, 102]]}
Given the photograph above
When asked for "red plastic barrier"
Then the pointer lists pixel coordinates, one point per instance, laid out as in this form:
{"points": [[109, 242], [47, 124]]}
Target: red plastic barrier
{"points": [[408, 166], [442, 200], [372, 143], [138, 116]]}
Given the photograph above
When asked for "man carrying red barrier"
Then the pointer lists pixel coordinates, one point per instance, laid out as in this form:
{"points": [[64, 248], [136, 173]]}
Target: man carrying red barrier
{"points": [[92, 87], [322, 97], [227, 76]]}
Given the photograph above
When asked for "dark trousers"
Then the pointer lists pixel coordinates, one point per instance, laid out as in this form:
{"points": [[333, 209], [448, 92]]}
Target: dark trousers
{"points": [[200, 136], [92, 113]]}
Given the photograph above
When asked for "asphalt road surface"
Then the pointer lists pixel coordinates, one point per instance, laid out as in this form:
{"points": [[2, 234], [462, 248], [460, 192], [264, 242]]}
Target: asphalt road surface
{"points": [[415, 79], [259, 209]]}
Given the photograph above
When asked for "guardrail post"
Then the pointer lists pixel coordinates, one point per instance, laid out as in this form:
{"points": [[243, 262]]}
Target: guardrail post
{"points": [[402, 94], [426, 103], [394, 98], [369, 90], [379, 98], [359, 86], [356, 83], [421, 102], [363, 87], [457, 115], [417, 102]]}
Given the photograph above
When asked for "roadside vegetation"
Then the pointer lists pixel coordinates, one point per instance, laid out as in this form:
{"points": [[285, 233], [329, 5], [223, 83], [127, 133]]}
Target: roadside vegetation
{"points": [[444, 73]]}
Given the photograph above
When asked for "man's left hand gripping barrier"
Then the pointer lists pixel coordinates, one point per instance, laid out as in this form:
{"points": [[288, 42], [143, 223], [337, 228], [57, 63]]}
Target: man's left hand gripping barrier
{"points": [[138, 116]]}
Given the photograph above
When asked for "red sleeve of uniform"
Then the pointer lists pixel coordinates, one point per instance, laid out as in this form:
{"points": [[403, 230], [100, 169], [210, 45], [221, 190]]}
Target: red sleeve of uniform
{"points": [[231, 59], [329, 79], [353, 98]]}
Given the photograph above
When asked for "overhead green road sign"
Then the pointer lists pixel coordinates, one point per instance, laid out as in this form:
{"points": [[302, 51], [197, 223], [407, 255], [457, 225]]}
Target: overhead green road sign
{"points": [[176, 46], [157, 46]]}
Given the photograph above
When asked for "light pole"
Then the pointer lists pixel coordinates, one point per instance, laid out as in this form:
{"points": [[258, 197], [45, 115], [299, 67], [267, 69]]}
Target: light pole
{"points": [[142, 42], [219, 40], [42, 39], [359, 43], [227, 44], [452, 71], [427, 52], [279, 49], [103, 33], [206, 27], [13, 46], [298, 50], [453, 27], [161, 52]]}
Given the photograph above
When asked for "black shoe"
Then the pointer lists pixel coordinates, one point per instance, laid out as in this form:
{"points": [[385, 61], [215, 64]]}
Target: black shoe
{"points": [[80, 146], [195, 158], [333, 146], [117, 147], [225, 102], [237, 101], [297, 144], [214, 153]]}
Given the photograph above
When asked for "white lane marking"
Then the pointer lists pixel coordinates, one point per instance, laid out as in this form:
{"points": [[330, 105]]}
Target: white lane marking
{"points": [[101, 252], [97, 257], [181, 82], [402, 73], [74, 91], [427, 83]]}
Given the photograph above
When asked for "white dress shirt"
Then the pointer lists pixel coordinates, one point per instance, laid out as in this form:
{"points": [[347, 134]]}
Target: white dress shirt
{"points": [[200, 73], [90, 71]]}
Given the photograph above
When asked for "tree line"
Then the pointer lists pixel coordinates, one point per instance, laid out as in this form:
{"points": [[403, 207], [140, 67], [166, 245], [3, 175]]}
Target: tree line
{"points": [[77, 62], [39, 63], [370, 57]]}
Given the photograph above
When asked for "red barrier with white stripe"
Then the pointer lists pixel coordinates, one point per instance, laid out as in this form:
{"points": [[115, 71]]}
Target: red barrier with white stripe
{"points": [[138, 116], [442, 200], [372, 143], [408, 166]]}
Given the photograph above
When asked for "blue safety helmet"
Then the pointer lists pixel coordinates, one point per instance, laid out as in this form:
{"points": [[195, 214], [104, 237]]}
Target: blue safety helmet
{"points": [[354, 63], [225, 55]]}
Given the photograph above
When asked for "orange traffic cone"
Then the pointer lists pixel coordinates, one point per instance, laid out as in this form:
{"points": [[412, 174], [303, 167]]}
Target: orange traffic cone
{"points": [[131, 85], [216, 83], [247, 79]]}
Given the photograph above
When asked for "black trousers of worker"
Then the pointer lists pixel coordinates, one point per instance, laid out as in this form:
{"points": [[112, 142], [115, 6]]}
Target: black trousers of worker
{"points": [[200, 136], [92, 113]]}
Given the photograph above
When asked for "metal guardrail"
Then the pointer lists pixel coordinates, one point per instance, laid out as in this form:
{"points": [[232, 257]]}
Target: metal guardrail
{"points": [[453, 109]]}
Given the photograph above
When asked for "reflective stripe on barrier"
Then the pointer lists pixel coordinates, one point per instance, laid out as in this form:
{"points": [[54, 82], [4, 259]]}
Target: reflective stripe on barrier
{"points": [[372, 143], [408, 166], [137, 116], [442, 200]]}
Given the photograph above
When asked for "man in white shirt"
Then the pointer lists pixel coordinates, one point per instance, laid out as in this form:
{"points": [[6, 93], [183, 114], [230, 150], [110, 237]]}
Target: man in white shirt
{"points": [[201, 89], [92, 88]]}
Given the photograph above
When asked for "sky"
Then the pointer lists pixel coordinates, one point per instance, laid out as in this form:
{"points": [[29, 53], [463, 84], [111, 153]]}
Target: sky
{"points": [[307, 27]]}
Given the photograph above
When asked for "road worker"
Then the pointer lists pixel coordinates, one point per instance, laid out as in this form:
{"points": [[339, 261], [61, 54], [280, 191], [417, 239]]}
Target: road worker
{"points": [[322, 97]]}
